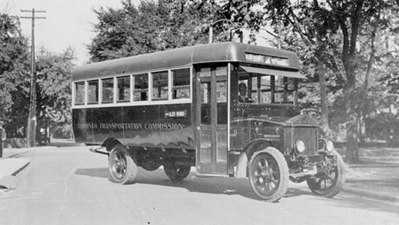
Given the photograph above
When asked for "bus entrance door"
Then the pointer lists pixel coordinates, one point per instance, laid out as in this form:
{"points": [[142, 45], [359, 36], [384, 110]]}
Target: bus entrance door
{"points": [[211, 119]]}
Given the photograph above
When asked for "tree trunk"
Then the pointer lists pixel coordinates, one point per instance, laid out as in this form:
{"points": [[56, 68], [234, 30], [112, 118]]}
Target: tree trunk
{"points": [[352, 148], [323, 101]]}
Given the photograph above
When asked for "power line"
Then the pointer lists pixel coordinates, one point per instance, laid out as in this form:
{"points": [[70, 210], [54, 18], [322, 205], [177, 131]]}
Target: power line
{"points": [[32, 121]]}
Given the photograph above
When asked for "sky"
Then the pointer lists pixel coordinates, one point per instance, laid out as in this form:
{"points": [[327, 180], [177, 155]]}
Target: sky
{"points": [[68, 23]]}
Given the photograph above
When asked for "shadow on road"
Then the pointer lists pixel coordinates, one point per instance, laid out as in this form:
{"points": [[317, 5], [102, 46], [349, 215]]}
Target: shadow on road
{"points": [[393, 183], [226, 186], [241, 187], [93, 172], [63, 143]]}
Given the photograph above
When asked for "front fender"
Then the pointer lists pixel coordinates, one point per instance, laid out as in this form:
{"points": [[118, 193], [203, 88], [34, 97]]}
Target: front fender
{"points": [[249, 150], [110, 143]]}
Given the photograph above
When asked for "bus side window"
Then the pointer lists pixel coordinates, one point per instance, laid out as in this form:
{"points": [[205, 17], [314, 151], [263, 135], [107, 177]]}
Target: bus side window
{"points": [[107, 90], [254, 93], [221, 91], [205, 92], [79, 93], [123, 89], [160, 85], [93, 90], [181, 84], [290, 89], [140, 92], [221, 84], [284, 88], [266, 90]]}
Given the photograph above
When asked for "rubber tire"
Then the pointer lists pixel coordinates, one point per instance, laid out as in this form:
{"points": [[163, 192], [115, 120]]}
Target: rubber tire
{"points": [[336, 186], [150, 165], [283, 175], [126, 164], [176, 173]]}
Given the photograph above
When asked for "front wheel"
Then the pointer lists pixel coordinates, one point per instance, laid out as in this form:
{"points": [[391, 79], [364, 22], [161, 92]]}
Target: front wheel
{"points": [[268, 174], [122, 167], [329, 182]]}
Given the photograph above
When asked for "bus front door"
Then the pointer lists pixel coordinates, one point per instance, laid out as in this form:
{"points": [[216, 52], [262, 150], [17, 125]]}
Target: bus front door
{"points": [[211, 119]]}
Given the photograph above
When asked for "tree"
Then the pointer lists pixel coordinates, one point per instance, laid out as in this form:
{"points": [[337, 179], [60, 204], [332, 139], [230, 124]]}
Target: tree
{"points": [[232, 17], [54, 73], [166, 24], [331, 29], [53, 94], [380, 95], [13, 62], [53, 83], [148, 28]]}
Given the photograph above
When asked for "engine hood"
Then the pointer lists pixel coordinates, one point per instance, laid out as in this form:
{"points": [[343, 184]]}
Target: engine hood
{"points": [[302, 119]]}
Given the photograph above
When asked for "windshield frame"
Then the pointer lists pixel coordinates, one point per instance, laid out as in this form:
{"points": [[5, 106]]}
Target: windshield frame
{"points": [[282, 90]]}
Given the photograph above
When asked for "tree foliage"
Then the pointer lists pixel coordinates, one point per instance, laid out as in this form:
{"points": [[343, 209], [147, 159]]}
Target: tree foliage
{"points": [[381, 98], [165, 24], [341, 35], [54, 73], [53, 83], [53, 93], [150, 27], [13, 62]]}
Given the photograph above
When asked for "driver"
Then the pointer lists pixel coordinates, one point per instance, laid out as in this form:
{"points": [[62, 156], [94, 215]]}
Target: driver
{"points": [[242, 93]]}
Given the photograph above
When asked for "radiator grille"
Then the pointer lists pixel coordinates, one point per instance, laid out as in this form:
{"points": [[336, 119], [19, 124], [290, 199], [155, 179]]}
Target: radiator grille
{"points": [[307, 134]]}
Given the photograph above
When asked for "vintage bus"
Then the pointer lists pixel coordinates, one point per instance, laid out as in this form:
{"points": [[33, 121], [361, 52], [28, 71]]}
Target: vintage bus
{"points": [[227, 109]]}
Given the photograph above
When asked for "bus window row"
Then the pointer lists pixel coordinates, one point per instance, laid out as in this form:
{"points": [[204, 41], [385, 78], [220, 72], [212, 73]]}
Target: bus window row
{"points": [[156, 86]]}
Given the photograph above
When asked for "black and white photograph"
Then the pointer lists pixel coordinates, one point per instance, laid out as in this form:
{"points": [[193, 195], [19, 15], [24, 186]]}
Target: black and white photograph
{"points": [[199, 112]]}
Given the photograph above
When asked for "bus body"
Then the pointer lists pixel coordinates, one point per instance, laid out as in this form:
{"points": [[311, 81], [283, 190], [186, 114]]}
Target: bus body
{"points": [[182, 108]]}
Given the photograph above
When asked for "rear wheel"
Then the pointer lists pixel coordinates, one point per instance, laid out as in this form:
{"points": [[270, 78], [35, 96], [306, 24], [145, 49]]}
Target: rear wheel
{"points": [[150, 165], [122, 167], [268, 174], [176, 172], [329, 182]]}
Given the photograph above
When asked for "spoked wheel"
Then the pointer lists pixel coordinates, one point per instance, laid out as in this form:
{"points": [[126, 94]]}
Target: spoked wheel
{"points": [[268, 174], [122, 167], [329, 182], [176, 172]]}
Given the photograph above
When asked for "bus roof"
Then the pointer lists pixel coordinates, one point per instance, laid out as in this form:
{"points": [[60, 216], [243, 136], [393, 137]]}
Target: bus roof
{"points": [[187, 56]]}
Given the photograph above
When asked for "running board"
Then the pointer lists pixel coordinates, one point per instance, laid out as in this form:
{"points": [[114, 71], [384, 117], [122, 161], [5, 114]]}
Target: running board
{"points": [[97, 150], [209, 175]]}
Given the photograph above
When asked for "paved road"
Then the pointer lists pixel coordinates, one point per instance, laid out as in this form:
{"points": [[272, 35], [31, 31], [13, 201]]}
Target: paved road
{"points": [[71, 186]]}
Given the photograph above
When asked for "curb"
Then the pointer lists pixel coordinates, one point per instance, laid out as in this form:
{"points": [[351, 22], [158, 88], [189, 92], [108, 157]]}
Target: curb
{"points": [[30, 149], [15, 153], [9, 168], [371, 195]]}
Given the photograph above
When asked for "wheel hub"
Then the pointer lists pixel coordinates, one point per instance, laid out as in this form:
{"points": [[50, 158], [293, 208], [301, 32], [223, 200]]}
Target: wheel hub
{"points": [[119, 167]]}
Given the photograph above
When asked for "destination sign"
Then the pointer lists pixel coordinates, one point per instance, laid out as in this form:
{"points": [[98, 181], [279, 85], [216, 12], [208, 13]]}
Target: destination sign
{"points": [[272, 60], [175, 114]]}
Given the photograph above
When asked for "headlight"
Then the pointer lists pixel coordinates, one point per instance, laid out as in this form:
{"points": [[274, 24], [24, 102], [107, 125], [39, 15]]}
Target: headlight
{"points": [[329, 146], [300, 146]]}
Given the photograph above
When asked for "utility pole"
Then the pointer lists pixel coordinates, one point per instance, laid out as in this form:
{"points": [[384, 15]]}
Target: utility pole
{"points": [[31, 131]]}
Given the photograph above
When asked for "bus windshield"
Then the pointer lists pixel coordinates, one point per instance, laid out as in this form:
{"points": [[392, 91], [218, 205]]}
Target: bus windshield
{"points": [[266, 89]]}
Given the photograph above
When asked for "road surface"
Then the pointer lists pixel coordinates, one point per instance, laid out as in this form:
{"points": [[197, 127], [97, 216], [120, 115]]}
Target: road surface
{"points": [[71, 185]]}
